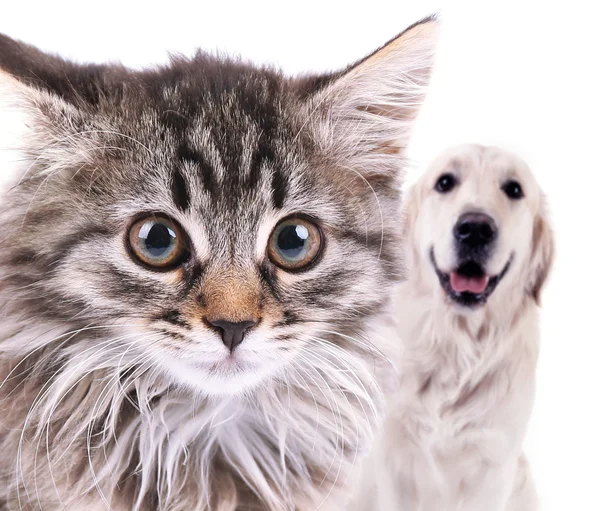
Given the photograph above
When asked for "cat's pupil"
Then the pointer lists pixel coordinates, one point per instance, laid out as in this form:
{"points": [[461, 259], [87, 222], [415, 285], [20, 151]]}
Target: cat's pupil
{"points": [[159, 239], [291, 240]]}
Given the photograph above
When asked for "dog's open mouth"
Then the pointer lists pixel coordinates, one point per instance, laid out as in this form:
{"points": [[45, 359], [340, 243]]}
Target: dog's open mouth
{"points": [[468, 284]]}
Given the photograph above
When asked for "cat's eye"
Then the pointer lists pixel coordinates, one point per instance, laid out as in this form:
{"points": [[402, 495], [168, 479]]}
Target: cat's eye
{"points": [[158, 242], [295, 243], [513, 190], [445, 183]]}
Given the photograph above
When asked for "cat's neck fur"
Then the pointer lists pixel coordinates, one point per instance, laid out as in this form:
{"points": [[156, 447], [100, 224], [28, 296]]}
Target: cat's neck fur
{"points": [[143, 444]]}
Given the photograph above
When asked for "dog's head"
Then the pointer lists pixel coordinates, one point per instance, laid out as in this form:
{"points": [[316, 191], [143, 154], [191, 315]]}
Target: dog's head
{"points": [[476, 226]]}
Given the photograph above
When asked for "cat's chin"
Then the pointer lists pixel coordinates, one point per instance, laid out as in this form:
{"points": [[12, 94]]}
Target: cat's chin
{"points": [[219, 379]]}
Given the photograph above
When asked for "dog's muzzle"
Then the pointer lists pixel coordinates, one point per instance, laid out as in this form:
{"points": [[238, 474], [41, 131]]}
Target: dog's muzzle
{"points": [[468, 283]]}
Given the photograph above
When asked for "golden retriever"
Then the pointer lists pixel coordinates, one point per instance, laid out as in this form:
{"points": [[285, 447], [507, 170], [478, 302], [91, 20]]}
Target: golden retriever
{"points": [[478, 250]]}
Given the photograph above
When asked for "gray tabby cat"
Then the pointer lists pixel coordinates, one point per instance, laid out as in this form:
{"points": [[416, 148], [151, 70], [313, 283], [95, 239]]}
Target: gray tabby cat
{"points": [[195, 269]]}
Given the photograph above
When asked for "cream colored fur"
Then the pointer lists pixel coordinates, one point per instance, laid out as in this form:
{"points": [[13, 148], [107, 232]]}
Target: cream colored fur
{"points": [[453, 438]]}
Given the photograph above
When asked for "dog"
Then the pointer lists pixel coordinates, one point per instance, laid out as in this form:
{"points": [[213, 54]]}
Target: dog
{"points": [[478, 249]]}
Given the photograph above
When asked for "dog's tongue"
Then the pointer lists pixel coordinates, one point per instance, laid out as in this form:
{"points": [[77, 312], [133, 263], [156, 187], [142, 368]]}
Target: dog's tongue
{"points": [[475, 285]]}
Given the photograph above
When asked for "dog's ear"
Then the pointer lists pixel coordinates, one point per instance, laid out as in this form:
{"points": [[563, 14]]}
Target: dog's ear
{"points": [[542, 256], [409, 211], [408, 219]]}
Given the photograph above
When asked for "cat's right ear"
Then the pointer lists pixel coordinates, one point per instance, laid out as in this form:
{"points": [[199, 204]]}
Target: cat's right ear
{"points": [[364, 115], [44, 101], [49, 76]]}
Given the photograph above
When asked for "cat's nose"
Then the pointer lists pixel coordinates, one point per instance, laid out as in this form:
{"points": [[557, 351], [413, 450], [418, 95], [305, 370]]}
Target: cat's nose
{"points": [[232, 332]]}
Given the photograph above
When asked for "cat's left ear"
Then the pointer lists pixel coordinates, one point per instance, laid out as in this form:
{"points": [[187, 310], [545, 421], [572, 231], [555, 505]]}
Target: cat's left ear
{"points": [[366, 112]]}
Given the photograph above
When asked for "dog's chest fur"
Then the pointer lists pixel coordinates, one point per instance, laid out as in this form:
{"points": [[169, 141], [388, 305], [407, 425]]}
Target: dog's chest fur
{"points": [[464, 396]]}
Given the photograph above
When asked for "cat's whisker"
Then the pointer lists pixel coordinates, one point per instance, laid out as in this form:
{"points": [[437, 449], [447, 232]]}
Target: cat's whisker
{"points": [[363, 341], [350, 377], [45, 424], [382, 224], [54, 144], [299, 370], [354, 340], [19, 466], [357, 429], [46, 415], [94, 411], [334, 364], [337, 415], [117, 374], [98, 404], [324, 97], [68, 336], [87, 361]]}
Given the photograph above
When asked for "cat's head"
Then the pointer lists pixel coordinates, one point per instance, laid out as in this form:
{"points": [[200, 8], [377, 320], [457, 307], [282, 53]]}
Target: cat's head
{"points": [[221, 222]]}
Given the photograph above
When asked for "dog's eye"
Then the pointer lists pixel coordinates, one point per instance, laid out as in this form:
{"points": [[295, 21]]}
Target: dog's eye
{"points": [[513, 190], [446, 183], [295, 243], [158, 242]]}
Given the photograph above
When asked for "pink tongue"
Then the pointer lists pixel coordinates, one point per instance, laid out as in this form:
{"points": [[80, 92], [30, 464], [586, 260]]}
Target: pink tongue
{"points": [[461, 283]]}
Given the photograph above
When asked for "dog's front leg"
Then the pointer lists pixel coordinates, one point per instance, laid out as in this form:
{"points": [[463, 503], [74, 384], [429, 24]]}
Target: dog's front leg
{"points": [[524, 496], [491, 491]]}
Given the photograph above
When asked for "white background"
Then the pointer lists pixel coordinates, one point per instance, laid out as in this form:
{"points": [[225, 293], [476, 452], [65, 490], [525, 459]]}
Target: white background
{"points": [[524, 75]]}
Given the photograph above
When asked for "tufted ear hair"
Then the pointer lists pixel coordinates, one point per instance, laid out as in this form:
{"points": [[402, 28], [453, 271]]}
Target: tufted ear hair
{"points": [[47, 76], [542, 256], [46, 107], [365, 114]]}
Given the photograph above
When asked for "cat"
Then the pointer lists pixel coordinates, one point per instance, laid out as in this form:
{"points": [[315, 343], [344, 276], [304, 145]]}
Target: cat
{"points": [[195, 272]]}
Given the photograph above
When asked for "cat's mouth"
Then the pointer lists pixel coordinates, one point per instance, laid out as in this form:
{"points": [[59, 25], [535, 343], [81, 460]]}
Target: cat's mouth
{"points": [[231, 364], [230, 376], [469, 284]]}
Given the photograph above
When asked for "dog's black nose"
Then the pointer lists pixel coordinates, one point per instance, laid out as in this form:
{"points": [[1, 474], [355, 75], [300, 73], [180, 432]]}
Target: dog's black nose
{"points": [[232, 333], [475, 230]]}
